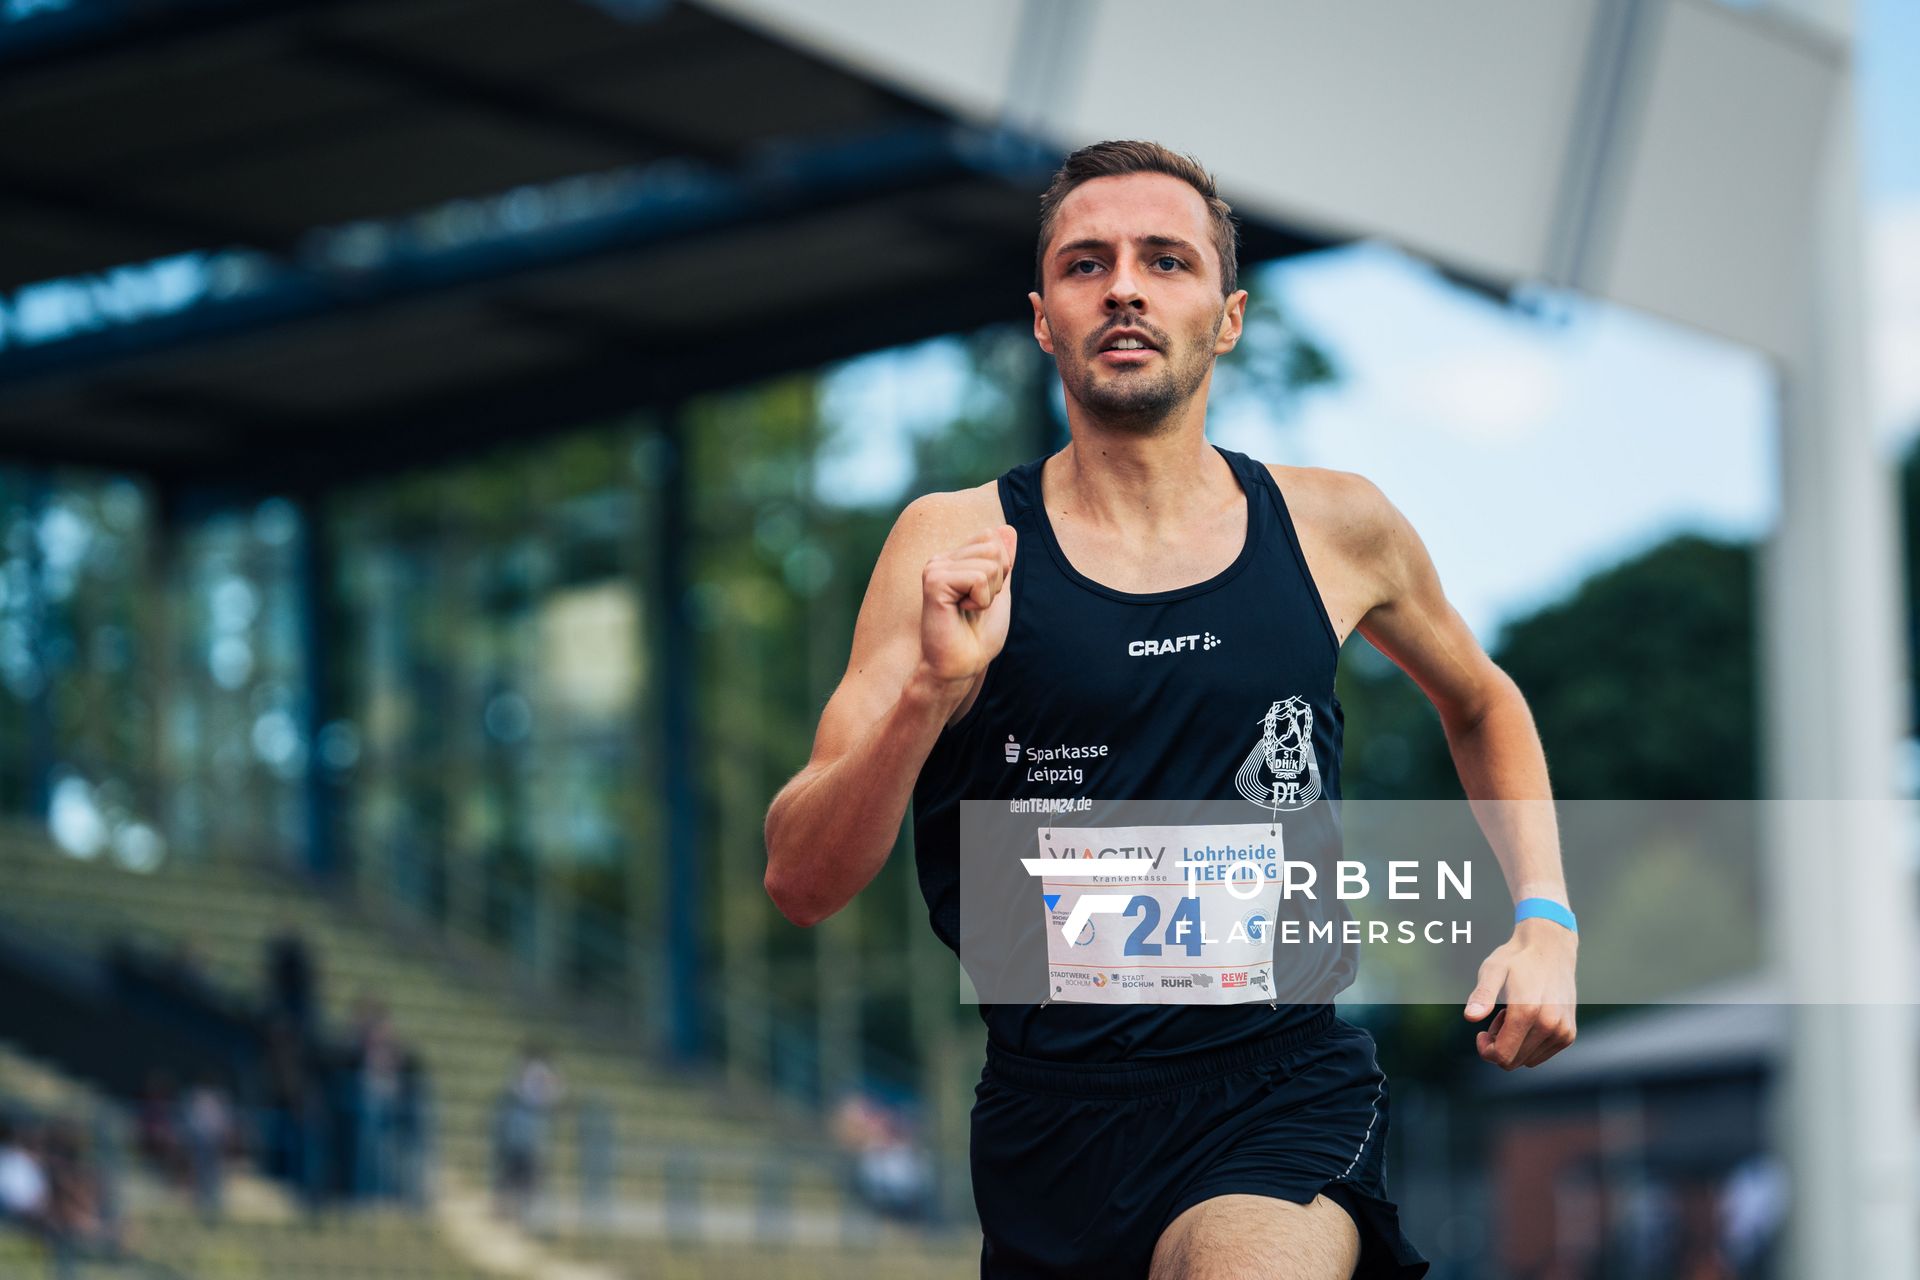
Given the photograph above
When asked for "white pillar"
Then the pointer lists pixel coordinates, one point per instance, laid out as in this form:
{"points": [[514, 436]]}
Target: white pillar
{"points": [[1840, 911]]}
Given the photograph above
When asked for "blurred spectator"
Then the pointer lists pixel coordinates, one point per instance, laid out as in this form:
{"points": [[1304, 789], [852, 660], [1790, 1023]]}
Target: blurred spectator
{"points": [[377, 1088], [856, 1123], [76, 1222], [1700, 1253], [24, 1194], [50, 1187], [896, 1177], [1753, 1207], [296, 1117], [291, 982], [412, 1127], [161, 1142], [887, 1168], [206, 1121], [521, 1128]]}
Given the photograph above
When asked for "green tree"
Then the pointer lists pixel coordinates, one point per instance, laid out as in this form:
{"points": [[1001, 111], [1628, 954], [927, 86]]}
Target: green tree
{"points": [[1642, 683]]}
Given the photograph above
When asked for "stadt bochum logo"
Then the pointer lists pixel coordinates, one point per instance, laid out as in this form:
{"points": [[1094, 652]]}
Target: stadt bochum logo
{"points": [[1281, 771]]}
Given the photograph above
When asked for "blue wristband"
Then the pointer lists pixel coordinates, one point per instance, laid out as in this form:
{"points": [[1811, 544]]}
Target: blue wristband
{"points": [[1546, 908]]}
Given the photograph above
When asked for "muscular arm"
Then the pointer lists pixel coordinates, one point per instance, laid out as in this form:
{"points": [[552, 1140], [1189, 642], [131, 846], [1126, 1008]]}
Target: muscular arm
{"points": [[830, 829], [1490, 732], [1500, 760]]}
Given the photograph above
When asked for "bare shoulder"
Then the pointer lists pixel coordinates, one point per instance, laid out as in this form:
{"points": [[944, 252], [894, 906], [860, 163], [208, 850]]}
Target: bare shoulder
{"points": [[1348, 533], [886, 633], [955, 514], [930, 524], [1343, 508]]}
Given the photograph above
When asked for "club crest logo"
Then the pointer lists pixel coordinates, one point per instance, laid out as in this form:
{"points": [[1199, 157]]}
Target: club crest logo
{"points": [[1281, 771]]}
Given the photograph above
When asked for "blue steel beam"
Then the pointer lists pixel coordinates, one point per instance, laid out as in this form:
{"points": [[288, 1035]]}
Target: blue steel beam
{"points": [[609, 381], [61, 34], [683, 903], [372, 263]]}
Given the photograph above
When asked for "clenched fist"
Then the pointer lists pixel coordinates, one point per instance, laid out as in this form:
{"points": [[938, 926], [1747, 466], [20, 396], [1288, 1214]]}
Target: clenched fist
{"points": [[964, 605]]}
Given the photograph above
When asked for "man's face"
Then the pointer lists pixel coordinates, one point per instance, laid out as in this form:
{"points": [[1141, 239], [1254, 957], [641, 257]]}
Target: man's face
{"points": [[1134, 252]]}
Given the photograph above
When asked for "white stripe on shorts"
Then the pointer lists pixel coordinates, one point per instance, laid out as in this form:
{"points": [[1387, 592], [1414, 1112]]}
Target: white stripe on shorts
{"points": [[1374, 1106]]}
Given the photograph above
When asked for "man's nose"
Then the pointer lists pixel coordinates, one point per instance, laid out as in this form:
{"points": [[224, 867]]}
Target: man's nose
{"points": [[1122, 287]]}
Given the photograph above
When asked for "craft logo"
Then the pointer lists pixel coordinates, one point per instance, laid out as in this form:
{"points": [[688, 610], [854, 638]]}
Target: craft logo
{"points": [[1281, 771], [1173, 644]]}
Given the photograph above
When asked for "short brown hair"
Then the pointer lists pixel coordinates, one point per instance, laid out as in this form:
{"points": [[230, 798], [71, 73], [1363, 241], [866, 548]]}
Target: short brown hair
{"points": [[1115, 159]]}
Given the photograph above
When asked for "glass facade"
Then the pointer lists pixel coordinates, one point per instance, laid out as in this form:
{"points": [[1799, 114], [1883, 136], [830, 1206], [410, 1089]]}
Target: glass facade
{"points": [[501, 695]]}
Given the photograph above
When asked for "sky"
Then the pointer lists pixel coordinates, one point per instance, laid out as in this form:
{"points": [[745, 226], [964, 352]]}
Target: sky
{"points": [[1526, 452], [1889, 80]]}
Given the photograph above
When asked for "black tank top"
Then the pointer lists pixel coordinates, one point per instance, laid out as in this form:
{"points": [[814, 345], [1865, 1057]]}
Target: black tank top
{"points": [[1176, 683]]}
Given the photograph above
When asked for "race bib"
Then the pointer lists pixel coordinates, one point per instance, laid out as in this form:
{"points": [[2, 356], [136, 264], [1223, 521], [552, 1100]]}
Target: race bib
{"points": [[1161, 914]]}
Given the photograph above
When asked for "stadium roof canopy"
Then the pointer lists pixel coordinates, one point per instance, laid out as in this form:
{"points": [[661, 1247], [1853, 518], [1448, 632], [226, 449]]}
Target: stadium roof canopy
{"points": [[282, 245], [1663, 154]]}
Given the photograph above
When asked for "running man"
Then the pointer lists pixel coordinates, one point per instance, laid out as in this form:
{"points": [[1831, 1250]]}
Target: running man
{"points": [[1162, 1140]]}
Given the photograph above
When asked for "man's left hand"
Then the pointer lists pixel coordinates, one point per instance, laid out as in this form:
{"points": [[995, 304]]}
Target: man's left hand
{"points": [[1536, 968]]}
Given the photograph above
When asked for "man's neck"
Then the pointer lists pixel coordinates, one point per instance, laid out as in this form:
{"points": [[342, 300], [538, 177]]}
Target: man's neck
{"points": [[1141, 487]]}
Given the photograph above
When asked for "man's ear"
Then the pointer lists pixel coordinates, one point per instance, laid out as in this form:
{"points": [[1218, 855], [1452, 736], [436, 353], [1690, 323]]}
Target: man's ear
{"points": [[1231, 317], [1042, 331]]}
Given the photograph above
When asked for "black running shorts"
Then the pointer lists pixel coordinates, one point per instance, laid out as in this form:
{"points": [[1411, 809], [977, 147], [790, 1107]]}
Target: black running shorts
{"points": [[1077, 1169]]}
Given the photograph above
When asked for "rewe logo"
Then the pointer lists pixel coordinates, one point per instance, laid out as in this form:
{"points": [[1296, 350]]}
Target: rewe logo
{"points": [[1173, 644]]}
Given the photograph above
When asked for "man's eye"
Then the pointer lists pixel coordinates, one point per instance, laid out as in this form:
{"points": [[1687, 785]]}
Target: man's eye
{"points": [[1074, 269]]}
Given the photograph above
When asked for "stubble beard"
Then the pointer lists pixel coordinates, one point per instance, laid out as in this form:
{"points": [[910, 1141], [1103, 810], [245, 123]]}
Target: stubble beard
{"points": [[1138, 400]]}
